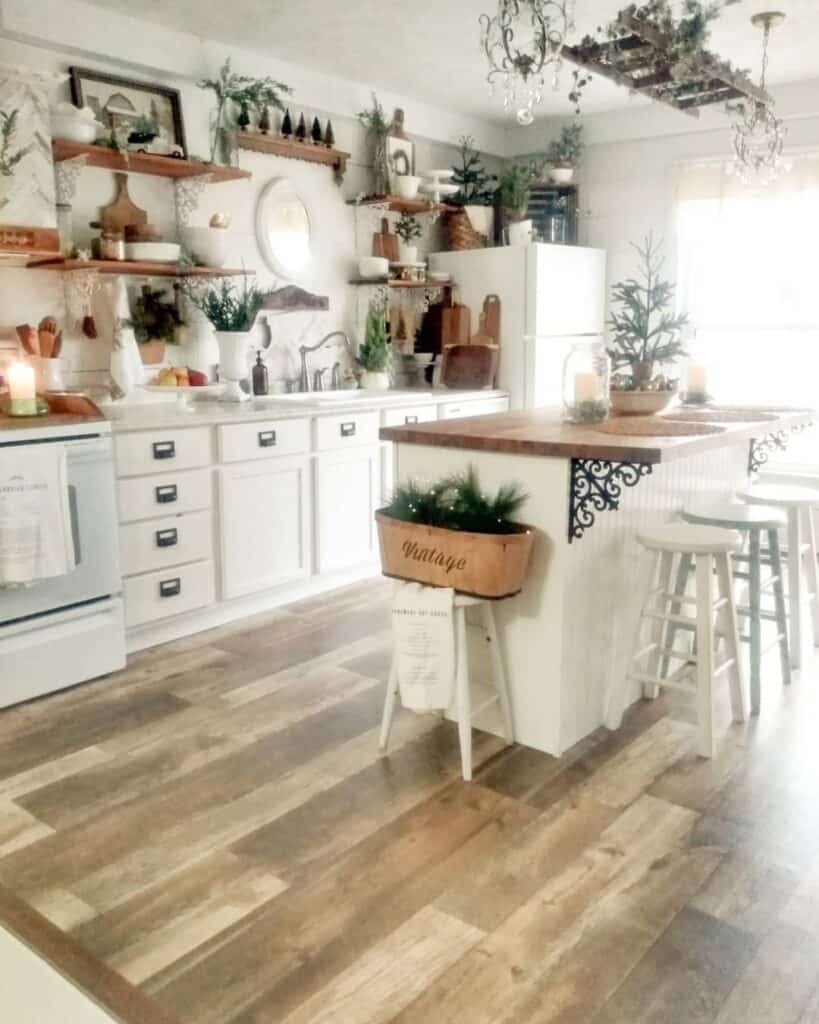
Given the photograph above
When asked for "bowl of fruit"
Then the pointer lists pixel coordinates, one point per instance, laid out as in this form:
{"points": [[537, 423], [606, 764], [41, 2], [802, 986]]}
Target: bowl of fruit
{"points": [[183, 382]]}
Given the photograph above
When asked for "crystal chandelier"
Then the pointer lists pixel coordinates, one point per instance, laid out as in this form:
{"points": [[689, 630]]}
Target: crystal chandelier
{"points": [[759, 135], [523, 40]]}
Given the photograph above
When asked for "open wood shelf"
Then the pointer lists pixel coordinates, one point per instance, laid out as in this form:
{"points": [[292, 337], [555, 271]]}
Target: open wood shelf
{"points": [[398, 204], [380, 282], [295, 149], [136, 268], [143, 163]]}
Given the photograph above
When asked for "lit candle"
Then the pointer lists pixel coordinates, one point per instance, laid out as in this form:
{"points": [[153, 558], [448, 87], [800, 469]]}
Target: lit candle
{"points": [[22, 394], [697, 375], [586, 387]]}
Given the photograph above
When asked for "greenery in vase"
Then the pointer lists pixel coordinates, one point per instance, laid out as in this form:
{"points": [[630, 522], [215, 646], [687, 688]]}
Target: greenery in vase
{"points": [[374, 119], [228, 308], [407, 228], [475, 186], [374, 352], [514, 187], [8, 129], [378, 128], [154, 317], [644, 329], [567, 149], [231, 88], [592, 410], [457, 502]]}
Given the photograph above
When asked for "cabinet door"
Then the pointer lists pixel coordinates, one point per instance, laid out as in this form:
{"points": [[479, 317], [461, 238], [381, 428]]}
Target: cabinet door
{"points": [[347, 492], [264, 513]]}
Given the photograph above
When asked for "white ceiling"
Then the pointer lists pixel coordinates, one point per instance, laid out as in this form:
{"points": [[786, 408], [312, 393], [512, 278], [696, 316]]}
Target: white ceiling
{"points": [[429, 51]]}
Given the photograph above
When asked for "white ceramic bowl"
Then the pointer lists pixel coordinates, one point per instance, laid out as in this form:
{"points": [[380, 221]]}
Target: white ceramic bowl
{"points": [[158, 252], [406, 185], [207, 246], [73, 128], [562, 175], [373, 267]]}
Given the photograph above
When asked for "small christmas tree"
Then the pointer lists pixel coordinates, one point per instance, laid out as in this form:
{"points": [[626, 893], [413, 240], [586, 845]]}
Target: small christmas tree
{"points": [[475, 186], [374, 352], [301, 129], [315, 131], [287, 125], [329, 136]]}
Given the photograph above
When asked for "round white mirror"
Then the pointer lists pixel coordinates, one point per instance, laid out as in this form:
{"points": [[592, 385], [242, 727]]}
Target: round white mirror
{"points": [[283, 228]]}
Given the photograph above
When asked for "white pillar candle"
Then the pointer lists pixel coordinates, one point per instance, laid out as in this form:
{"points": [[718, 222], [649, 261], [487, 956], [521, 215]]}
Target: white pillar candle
{"points": [[586, 387], [697, 376], [22, 394]]}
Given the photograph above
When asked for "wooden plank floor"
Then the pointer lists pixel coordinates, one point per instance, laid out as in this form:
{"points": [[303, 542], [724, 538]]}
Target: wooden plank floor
{"points": [[214, 825]]}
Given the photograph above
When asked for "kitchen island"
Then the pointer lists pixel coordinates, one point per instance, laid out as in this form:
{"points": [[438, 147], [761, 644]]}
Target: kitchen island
{"points": [[569, 633]]}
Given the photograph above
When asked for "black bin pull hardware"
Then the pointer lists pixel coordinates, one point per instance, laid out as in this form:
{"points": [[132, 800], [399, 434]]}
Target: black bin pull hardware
{"points": [[410, 419], [170, 588], [348, 429], [166, 493], [167, 538], [267, 438], [164, 449]]}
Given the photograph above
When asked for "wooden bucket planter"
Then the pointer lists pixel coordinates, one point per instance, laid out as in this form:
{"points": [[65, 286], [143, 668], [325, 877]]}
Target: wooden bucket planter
{"points": [[491, 565]]}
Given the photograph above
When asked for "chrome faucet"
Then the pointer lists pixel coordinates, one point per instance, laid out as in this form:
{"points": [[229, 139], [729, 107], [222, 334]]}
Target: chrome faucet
{"points": [[304, 377], [335, 377], [318, 379]]}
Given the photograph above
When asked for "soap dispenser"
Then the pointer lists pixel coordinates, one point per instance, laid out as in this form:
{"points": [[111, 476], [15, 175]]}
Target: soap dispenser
{"points": [[259, 376]]}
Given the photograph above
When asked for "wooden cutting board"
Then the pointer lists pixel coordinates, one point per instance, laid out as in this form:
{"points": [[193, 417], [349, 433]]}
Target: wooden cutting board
{"points": [[385, 243], [122, 212], [469, 366], [455, 322]]}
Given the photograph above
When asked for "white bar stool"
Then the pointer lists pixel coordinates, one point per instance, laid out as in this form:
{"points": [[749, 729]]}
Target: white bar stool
{"points": [[711, 548], [462, 696], [798, 504], [751, 522]]}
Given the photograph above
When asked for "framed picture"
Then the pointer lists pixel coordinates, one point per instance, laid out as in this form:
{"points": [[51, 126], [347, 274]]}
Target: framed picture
{"points": [[126, 102], [400, 158]]}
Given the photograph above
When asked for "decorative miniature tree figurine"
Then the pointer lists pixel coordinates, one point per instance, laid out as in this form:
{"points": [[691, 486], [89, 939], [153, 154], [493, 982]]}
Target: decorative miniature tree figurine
{"points": [[374, 352], [315, 131], [264, 120], [644, 330], [287, 125], [301, 129], [408, 229], [243, 120], [475, 186], [329, 137]]}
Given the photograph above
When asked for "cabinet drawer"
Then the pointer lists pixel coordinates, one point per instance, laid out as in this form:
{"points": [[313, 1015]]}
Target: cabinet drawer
{"points": [[162, 542], [242, 441], [409, 415], [346, 431], [156, 595], [157, 451], [475, 407], [163, 494]]}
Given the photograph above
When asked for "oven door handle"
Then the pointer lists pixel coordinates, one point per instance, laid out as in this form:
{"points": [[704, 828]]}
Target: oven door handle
{"points": [[75, 524]]}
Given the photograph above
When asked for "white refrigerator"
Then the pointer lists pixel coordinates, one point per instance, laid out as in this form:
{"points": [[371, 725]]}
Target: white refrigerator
{"points": [[551, 295]]}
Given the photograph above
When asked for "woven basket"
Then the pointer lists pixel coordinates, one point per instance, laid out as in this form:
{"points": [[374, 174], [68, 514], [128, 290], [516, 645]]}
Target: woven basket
{"points": [[460, 233]]}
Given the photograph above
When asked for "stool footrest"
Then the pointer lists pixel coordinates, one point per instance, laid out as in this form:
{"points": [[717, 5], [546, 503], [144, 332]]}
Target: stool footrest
{"points": [[670, 684]]}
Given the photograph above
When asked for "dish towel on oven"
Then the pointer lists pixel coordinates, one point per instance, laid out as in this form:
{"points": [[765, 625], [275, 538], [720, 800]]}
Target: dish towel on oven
{"points": [[36, 539], [424, 640]]}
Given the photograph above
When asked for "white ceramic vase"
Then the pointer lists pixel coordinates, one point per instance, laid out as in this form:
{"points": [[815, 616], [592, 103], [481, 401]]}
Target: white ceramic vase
{"points": [[562, 175], [198, 348], [233, 363], [519, 232], [48, 373], [407, 253], [375, 380]]}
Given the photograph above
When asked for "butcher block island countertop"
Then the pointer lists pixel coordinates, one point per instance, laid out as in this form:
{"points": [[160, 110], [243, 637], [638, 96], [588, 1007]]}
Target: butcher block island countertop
{"points": [[541, 432]]}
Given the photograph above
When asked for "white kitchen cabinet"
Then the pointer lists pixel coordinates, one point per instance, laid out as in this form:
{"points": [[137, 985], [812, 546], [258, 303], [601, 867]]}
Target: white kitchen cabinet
{"points": [[264, 515], [456, 410], [347, 494]]}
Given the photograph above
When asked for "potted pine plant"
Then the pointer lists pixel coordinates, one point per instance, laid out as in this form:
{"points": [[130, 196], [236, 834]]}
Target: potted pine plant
{"points": [[646, 334], [155, 320], [407, 230], [374, 353], [232, 312], [377, 127], [514, 186], [564, 153], [452, 534], [476, 190]]}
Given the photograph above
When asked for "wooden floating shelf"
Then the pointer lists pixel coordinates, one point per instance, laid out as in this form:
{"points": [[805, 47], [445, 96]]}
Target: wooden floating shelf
{"points": [[379, 283], [398, 204], [639, 61], [143, 163], [135, 268], [295, 149]]}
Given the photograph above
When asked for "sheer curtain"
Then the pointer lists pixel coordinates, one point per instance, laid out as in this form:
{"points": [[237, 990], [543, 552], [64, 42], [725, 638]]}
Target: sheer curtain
{"points": [[748, 274]]}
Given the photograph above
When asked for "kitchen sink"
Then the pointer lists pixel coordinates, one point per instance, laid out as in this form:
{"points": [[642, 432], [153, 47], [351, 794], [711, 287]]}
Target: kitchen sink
{"points": [[343, 396]]}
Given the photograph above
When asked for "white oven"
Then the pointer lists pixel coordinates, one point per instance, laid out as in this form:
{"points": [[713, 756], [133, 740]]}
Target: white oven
{"points": [[65, 630]]}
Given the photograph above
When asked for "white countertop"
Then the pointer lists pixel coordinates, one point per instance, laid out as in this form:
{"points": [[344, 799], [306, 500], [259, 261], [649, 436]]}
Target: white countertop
{"points": [[165, 413]]}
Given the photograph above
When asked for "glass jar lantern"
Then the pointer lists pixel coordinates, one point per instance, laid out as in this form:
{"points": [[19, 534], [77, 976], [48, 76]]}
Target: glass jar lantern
{"points": [[586, 374]]}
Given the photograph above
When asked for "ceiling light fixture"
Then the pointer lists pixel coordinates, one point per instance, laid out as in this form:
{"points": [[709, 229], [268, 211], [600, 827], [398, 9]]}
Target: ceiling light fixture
{"points": [[759, 135], [521, 42]]}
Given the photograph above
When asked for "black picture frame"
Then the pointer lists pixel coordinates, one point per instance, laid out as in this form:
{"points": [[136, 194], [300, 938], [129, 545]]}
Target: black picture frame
{"points": [[78, 75]]}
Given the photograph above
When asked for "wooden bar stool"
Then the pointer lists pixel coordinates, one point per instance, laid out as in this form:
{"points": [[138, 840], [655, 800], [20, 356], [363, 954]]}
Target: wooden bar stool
{"points": [[711, 548], [751, 522], [798, 504], [462, 694]]}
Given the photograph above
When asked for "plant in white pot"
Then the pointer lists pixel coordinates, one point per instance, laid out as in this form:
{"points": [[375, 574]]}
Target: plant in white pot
{"points": [[233, 314], [514, 187], [645, 334], [407, 230], [374, 353], [564, 153]]}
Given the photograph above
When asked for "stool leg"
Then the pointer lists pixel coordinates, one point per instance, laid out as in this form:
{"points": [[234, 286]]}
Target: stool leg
{"points": [[779, 603], [680, 588], [464, 703], [755, 599], [730, 630], [616, 700], [658, 629], [389, 706], [498, 673], [796, 584], [813, 569], [705, 654]]}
